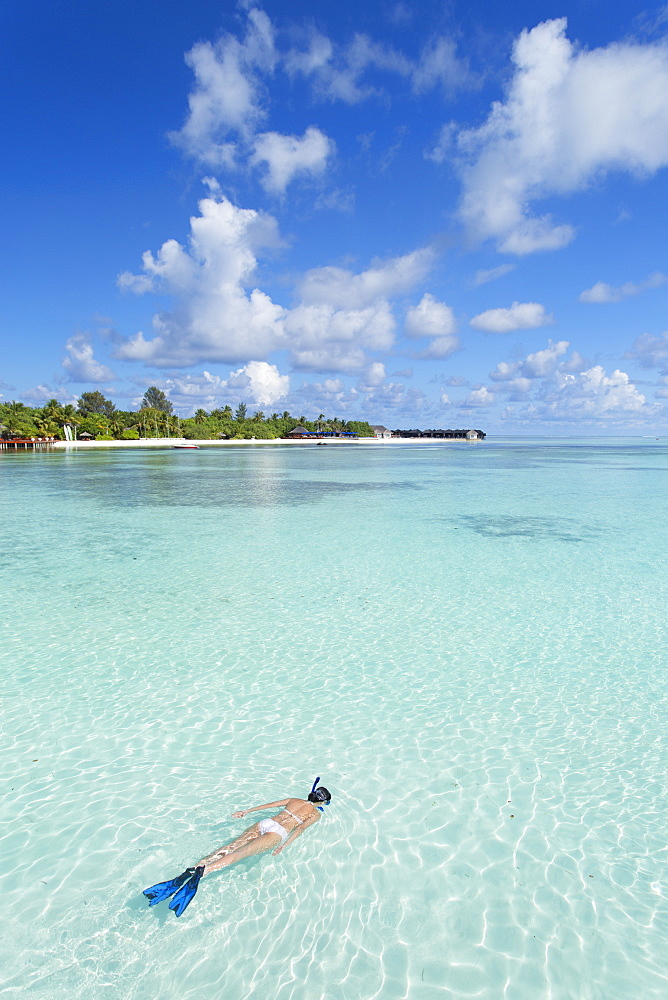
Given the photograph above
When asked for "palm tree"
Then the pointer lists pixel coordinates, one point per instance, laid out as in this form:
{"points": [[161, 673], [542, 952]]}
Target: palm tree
{"points": [[46, 427], [227, 413], [116, 426], [201, 416], [319, 420], [258, 417]]}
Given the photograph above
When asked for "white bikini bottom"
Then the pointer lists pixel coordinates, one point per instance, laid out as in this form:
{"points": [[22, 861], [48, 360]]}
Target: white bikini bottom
{"points": [[271, 826]]}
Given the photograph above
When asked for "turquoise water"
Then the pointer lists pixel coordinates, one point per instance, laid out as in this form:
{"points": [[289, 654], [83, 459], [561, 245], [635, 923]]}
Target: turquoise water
{"points": [[466, 641]]}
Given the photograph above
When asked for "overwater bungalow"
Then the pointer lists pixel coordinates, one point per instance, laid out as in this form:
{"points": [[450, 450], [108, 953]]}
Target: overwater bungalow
{"points": [[461, 434]]}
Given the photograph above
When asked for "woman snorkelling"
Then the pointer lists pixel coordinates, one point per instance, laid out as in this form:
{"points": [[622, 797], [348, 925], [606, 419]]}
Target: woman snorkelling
{"points": [[295, 816]]}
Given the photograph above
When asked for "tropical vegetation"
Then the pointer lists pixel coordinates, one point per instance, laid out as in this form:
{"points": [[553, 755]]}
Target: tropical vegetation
{"points": [[97, 416]]}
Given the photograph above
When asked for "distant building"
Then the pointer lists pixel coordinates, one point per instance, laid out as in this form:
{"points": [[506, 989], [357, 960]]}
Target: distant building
{"points": [[380, 432], [301, 432], [460, 434]]}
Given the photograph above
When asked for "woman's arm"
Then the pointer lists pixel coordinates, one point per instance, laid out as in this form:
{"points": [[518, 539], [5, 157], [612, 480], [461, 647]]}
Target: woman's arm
{"points": [[298, 830], [267, 805]]}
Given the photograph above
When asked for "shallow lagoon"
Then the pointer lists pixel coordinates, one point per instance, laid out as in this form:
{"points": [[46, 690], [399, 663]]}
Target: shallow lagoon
{"points": [[466, 641]]}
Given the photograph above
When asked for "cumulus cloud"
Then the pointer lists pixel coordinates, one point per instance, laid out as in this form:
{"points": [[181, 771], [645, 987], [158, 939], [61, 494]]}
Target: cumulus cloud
{"points": [[324, 338], [344, 289], [214, 318], [562, 388], [478, 398], [262, 382], [570, 115], [339, 317], [431, 318], [257, 382], [520, 316], [80, 364], [287, 155], [601, 292], [593, 394], [343, 315], [372, 377], [226, 99], [538, 365]]}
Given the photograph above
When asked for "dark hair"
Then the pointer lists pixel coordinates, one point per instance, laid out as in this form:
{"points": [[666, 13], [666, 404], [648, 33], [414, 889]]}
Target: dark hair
{"points": [[320, 795]]}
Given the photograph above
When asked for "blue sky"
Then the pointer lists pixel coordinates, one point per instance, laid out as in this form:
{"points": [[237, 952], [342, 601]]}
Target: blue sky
{"points": [[420, 214]]}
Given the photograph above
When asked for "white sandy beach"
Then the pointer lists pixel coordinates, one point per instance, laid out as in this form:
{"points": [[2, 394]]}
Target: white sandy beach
{"points": [[203, 443]]}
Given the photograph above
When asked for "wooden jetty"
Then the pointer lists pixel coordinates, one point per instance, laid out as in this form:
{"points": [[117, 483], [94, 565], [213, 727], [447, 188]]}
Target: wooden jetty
{"points": [[27, 444]]}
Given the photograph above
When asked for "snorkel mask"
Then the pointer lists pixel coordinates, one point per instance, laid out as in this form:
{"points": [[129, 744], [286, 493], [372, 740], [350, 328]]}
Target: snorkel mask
{"points": [[319, 795]]}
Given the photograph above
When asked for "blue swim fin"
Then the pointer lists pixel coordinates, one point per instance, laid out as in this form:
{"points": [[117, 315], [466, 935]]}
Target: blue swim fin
{"points": [[185, 895], [163, 890]]}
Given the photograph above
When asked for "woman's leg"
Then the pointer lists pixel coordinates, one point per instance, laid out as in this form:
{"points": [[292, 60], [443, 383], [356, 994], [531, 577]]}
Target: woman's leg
{"points": [[257, 845], [244, 838]]}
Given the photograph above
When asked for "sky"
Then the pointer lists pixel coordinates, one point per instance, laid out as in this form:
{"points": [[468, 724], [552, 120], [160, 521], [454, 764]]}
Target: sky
{"points": [[424, 214]]}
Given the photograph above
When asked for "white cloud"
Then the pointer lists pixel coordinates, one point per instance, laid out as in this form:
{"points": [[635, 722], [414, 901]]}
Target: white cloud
{"points": [[288, 155], [373, 376], [520, 316], [482, 277], [479, 397], [514, 375], [593, 394], [257, 382], [344, 289], [343, 314], [324, 338], [601, 292], [431, 318], [43, 392], [543, 363], [313, 59], [650, 351], [227, 94], [395, 398], [570, 115], [337, 74], [440, 347], [214, 317], [80, 364], [560, 390], [262, 382], [439, 65]]}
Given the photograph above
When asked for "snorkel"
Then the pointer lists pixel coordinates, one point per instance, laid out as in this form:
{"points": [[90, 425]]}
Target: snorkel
{"points": [[321, 795]]}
